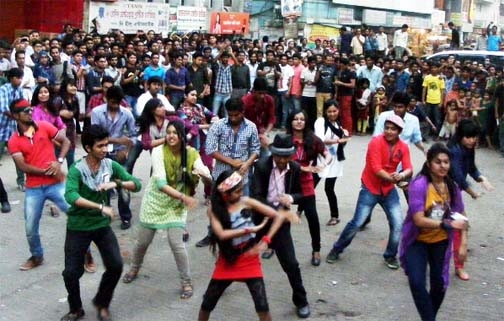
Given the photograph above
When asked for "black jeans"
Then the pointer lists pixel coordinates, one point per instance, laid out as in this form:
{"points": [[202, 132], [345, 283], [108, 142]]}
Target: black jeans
{"points": [[331, 195], [76, 245], [3, 193], [284, 247], [309, 104]]}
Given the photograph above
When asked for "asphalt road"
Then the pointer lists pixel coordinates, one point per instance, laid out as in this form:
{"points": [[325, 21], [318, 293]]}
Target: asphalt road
{"points": [[358, 287]]}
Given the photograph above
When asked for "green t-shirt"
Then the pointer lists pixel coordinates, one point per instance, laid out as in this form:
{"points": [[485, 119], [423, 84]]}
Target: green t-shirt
{"points": [[84, 219]]}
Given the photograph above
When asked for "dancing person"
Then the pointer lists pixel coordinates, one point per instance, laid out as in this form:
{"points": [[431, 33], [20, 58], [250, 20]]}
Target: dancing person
{"points": [[428, 231], [235, 236], [308, 148], [462, 148], [378, 178], [89, 220], [177, 168], [32, 150], [276, 182], [335, 137]]}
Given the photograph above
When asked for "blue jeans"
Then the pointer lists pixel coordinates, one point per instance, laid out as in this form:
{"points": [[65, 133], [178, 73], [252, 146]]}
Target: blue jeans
{"points": [[132, 101], [365, 205], [296, 103], [33, 207], [287, 107], [220, 99], [418, 255]]}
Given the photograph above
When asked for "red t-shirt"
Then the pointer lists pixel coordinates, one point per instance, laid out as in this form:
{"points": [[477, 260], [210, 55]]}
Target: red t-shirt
{"points": [[38, 152], [261, 113], [380, 156], [303, 159]]}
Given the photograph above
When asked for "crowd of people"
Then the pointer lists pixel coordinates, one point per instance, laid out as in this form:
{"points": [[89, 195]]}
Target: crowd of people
{"points": [[206, 109]]}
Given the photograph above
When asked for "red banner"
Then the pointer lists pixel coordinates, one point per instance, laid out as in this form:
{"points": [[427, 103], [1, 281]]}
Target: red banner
{"points": [[228, 23]]}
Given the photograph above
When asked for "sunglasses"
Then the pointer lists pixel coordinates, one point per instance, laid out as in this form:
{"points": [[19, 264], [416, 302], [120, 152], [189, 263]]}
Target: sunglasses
{"points": [[26, 110]]}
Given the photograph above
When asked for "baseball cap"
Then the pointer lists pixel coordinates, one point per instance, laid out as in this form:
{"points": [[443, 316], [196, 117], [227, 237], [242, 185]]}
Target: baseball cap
{"points": [[19, 105], [396, 120]]}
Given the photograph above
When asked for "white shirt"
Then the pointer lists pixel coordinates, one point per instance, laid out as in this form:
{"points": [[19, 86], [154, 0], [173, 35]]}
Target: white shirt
{"points": [[308, 75], [400, 38], [253, 72], [358, 46], [287, 74], [27, 83], [335, 167], [382, 41], [146, 96]]}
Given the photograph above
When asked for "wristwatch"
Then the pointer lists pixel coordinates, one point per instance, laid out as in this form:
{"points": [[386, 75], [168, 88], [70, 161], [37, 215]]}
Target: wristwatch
{"points": [[61, 160]]}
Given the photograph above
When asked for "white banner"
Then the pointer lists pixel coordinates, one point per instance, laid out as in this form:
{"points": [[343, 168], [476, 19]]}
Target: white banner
{"points": [[191, 19], [128, 17]]}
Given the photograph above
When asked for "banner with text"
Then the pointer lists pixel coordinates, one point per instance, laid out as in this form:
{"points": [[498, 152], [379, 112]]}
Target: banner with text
{"points": [[128, 17], [228, 23], [191, 19]]}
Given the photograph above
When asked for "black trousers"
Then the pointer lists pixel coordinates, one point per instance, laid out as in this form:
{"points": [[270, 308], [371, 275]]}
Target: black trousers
{"points": [[284, 247], [3, 193], [76, 245]]}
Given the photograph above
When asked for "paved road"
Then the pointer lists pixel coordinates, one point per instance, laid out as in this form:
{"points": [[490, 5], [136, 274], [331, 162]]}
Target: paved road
{"points": [[358, 287]]}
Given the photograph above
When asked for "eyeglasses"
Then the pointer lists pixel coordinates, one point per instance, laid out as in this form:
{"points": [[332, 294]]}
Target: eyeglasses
{"points": [[26, 110]]}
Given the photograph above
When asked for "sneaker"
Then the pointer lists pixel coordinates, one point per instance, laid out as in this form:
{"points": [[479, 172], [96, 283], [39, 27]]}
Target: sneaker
{"points": [[333, 256], [73, 316], [89, 264], [6, 207], [392, 263], [203, 242], [21, 187], [125, 225], [31, 263]]}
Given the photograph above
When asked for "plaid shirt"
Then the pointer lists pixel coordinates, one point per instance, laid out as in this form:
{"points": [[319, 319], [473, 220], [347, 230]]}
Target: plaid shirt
{"points": [[7, 95], [223, 81], [241, 145]]}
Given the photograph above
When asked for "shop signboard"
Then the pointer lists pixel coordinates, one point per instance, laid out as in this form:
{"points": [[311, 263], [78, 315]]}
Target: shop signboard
{"points": [[345, 16], [128, 17], [291, 8], [229, 23], [323, 33], [191, 18], [374, 17]]}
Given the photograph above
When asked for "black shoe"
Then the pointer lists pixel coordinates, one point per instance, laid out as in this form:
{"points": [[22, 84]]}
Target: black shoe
{"points": [[125, 225], [6, 207], [204, 242], [315, 261], [303, 312], [73, 316], [332, 257], [391, 263]]}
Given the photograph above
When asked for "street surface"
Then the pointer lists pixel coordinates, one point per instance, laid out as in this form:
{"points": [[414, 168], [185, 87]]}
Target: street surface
{"points": [[358, 287]]}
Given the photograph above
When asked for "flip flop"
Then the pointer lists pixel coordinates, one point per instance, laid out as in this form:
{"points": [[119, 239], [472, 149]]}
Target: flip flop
{"points": [[333, 221], [187, 291]]}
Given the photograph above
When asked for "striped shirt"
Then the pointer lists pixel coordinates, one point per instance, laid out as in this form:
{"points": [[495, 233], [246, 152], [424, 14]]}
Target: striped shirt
{"points": [[221, 138], [7, 95]]}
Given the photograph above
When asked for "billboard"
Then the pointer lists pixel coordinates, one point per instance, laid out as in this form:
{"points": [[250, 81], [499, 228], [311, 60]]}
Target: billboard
{"points": [[128, 17], [191, 19], [229, 23], [291, 8]]}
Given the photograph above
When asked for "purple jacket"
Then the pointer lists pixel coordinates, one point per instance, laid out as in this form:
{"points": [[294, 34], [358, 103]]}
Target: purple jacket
{"points": [[417, 195]]}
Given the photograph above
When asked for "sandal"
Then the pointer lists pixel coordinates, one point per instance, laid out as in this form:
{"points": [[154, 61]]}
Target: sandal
{"points": [[54, 211], [130, 276], [187, 291], [103, 314], [333, 221]]}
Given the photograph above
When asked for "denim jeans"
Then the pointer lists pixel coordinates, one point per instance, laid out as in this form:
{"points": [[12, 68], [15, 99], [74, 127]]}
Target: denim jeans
{"points": [[295, 102], [133, 155], [33, 208], [123, 199], [365, 204], [218, 100], [418, 255], [132, 101], [76, 245], [434, 112], [287, 107]]}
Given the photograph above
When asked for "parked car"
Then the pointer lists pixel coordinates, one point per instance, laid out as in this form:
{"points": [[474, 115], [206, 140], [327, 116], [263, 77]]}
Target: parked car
{"points": [[496, 57]]}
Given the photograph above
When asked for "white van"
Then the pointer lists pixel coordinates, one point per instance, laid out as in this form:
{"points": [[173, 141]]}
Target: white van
{"points": [[496, 57]]}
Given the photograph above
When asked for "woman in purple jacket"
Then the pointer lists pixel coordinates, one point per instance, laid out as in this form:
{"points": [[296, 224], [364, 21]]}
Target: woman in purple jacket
{"points": [[435, 211]]}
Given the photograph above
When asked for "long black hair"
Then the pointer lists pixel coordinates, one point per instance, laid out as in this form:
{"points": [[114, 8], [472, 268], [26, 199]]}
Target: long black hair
{"points": [[64, 96], [220, 211], [308, 135], [186, 177], [434, 150], [147, 117], [465, 128], [50, 106]]}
